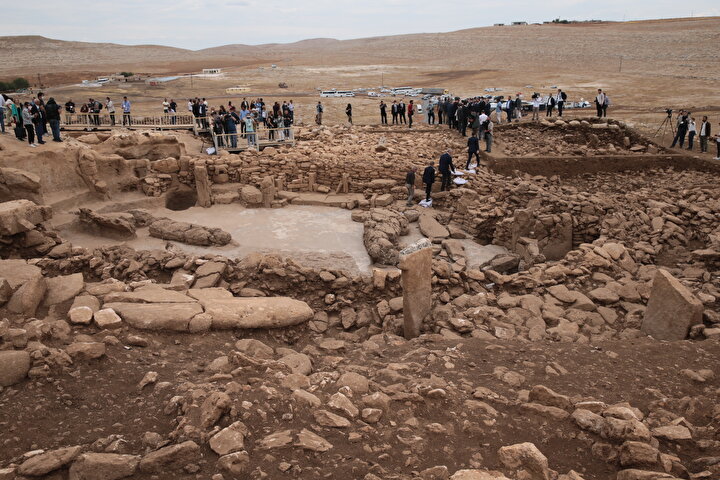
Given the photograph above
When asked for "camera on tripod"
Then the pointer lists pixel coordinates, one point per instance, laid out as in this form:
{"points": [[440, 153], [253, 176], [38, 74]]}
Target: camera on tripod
{"points": [[669, 112]]}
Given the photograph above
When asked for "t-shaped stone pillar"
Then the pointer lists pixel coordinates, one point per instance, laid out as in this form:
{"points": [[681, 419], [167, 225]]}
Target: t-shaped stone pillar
{"points": [[202, 184], [416, 266]]}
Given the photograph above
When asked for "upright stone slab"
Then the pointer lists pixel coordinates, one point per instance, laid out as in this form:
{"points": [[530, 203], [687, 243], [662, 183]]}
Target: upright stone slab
{"points": [[202, 184], [267, 187], [671, 310], [416, 266]]}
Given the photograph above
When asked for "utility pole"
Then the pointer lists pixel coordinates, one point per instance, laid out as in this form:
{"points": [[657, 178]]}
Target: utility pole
{"points": [[39, 82], [621, 60]]}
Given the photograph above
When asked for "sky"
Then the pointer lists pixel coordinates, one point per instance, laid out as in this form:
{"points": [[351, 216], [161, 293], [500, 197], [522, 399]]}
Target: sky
{"points": [[198, 24]]}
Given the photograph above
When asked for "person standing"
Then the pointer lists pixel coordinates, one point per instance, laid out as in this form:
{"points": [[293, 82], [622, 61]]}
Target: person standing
{"points": [[518, 107], [250, 129], [38, 114], [509, 107], [692, 131], [536, 107], [126, 111], [411, 112], [410, 185], [43, 117], [28, 122], [231, 121], [462, 117], [473, 148], [717, 142], [318, 113], [166, 107], [16, 112], [704, 134], [431, 113], [482, 122], [69, 111], [488, 136], [441, 111], [173, 111], [549, 106], [683, 122], [498, 111], [394, 112], [428, 179], [560, 101], [52, 110], [110, 106], [401, 112], [446, 167], [2, 113], [600, 100], [348, 112], [383, 113], [450, 109]]}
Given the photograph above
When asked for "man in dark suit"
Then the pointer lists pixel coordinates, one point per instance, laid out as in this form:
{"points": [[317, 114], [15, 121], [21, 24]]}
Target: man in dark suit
{"points": [[549, 105], [446, 167], [394, 112], [462, 116], [383, 113], [560, 101], [428, 179], [705, 132], [401, 112]]}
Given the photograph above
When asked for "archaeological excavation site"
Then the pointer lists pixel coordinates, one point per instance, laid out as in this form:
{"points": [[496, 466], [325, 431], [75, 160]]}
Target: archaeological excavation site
{"points": [[286, 313]]}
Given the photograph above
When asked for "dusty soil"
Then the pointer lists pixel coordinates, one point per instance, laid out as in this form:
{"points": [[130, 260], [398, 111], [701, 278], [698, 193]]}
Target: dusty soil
{"points": [[661, 67], [74, 413]]}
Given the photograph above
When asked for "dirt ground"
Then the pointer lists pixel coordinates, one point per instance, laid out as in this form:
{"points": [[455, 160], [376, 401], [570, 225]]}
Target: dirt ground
{"points": [[608, 372], [645, 67]]}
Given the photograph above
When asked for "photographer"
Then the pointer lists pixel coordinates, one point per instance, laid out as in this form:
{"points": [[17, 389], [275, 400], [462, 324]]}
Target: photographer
{"points": [[683, 122], [536, 107]]}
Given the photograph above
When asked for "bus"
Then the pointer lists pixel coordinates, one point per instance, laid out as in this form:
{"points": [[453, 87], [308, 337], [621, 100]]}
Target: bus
{"points": [[401, 90], [327, 93]]}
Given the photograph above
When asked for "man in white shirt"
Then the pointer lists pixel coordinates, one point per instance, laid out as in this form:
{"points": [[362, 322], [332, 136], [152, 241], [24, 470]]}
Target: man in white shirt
{"points": [[111, 110], [481, 120], [536, 107], [601, 103], [560, 101]]}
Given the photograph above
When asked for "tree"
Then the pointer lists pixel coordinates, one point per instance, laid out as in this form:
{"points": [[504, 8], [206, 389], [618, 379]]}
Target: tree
{"points": [[20, 83], [126, 74], [17, 84]]}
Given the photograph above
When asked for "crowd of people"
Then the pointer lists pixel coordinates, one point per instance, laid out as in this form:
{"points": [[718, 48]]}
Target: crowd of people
{"points": [[686, 126], [36, 119], [31, 119], [277, 119]]}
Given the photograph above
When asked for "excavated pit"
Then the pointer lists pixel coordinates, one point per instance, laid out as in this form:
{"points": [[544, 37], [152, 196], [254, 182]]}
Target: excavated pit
{"points": [[320, 237]]}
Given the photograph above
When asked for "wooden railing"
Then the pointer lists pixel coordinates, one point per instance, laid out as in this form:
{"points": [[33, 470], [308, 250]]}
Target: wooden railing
{"points": [[105, 120]]}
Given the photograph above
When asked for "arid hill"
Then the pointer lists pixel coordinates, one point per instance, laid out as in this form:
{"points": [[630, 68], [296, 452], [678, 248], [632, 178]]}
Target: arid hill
{"points": [[658, 47]]}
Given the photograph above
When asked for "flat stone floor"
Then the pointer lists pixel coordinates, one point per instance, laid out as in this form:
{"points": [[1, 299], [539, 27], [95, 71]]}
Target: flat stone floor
{"points": [[323, 237]]}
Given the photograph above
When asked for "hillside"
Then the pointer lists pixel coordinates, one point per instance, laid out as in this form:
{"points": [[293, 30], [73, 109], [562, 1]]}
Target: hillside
{"points": [[651, 47]]}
